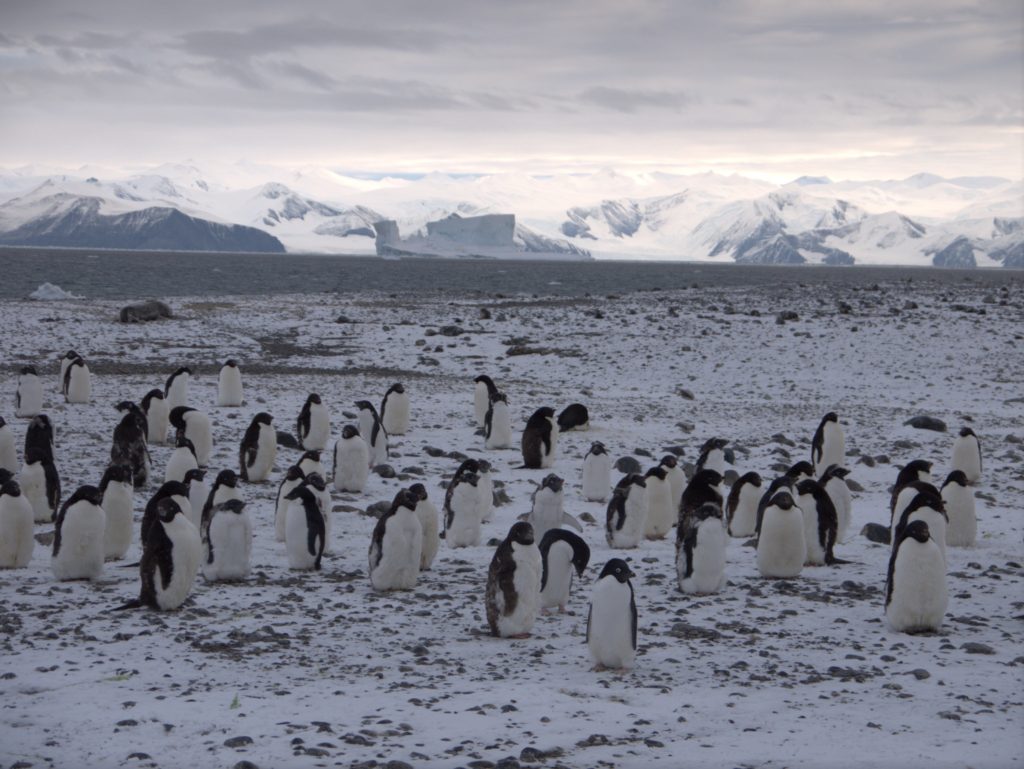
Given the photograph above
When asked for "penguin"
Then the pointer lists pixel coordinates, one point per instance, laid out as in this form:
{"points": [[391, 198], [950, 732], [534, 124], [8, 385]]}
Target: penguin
{"points": [[828, 446], [781, 483], [138, 416], [612, 618], [176, 388], [820, 523], [397, 545], [481, 397], [967, 455], [316, 482], [77, 382], [700, 551], [712, 455], [170, 490], [229, 385], [548, 511], [227, 546], [561, 553], [8, 449], [65, 361], [40, 484], [293, 478], [597, 472], [915, 590], [917, 470], [310, 462], [28, 398], [626, 518], [462, 511], [195, 426], [170, 559], [800, 471], [198, 491], [225, 487], [182, 459], [540, 439], [373, 433], [313, 427], [157, 412], [958, 499], [741, 506], [129, 446], [39, 435], [498, 423], [305, 529], [703, 487], [676, 478], [833, 480], [116, 499], [574, 417], [17, 540], [351, 461], [258, 449], [485, 488], [78, 536], [426, 514], [661, 516], [394, 410], [927, 506], [781, 543], [513, 584], [906, 495]]}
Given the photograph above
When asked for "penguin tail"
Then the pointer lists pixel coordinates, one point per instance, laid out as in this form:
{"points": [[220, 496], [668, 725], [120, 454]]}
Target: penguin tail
{"points": [[130, 565]]}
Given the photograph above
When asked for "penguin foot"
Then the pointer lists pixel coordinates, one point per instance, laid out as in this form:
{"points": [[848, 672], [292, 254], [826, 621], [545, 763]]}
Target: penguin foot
{"points": [[520, 636]]}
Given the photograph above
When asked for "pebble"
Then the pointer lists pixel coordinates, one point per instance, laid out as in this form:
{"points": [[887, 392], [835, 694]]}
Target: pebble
{"points": [[238, 742]]}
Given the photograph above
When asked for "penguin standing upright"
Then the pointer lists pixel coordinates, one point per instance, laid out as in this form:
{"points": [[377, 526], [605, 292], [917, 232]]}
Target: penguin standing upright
{"points": [[176, 388], [129, 446], [258, 449], [397, 545], [28, 398], [915, 590], [626, 517], [908, 492], [917, 470], [676, 478], [712, 455], [741, 506], [229, 384], [65, 361], [316, 482], [612, 619], [513, 584], [293, 478], [704, 486], [562, 553], [313, 426], [116, 489], [157, 413], [198, 491], [597, 472], [462, 511], [661, 516], [833, 480], [781, 542], [225, 487], [540, 439], [16, 536], [227, 546], [573, 417], [926, 506], [498, 423], [373, 433], [305, 529], [958, 499], [828, 447], [77, 382], [820, 522], [700, 551], [310, 463], [394, 410], [351, 461], [195, 426], [548, 511], [40, 484], [170, 490], [39, 435], [485, 488], [967, 455], [170, 558], [78, 536], [8, 449], [182, 459], [426, 514], [481, 397]]}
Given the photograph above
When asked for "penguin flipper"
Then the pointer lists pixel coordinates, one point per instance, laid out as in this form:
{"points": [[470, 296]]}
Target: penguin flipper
{"points": [[571, 520]]}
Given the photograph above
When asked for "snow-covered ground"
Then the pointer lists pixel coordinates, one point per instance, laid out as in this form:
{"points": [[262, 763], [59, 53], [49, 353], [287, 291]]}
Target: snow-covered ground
{"points": [[315, 669]]}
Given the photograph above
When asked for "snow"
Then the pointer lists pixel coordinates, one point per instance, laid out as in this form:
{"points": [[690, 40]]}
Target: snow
{"points": [[49, 292]]}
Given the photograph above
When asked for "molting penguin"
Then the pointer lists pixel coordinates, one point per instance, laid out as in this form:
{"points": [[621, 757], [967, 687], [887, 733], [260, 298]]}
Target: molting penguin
{"points": [[820, 522], [8, 450], [498, 423], [540, 439], [597, 473], [958, 499], [225, 487], [574, 417], [129, 446], [661, 516], [927, 506], [915, 591], [485, 488], [676, 478], [195, 426], [176, 388], [741, 506], [157, 415], [394, 410], [313, 427], [513, 584], [967, 455], [305, 529], [116, 500], [17, 540], [65, 361], [781, 542], [561, 552], [227, 546], [293, 478], [373, 433], [833, 480], [426, 514], [462, 511], [78, 536], [626, 517], [182, 459], [40, 484], [28, 398], [198, 491], [712, 455], [351, 461], [170, 490], [548, 511], [77, 382], [310, 463], [612, 619], [481, 397], [258, 449], [828, 447], [703, 487], [700, 551], [39, 435], [397, 545], [229, 384], [170, 558]]}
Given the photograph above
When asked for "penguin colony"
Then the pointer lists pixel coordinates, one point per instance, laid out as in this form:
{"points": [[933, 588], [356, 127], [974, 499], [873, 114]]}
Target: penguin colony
{"points": [[187, 526]]}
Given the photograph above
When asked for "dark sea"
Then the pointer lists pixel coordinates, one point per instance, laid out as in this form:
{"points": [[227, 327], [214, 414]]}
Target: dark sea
{"points": [[127, 275]]}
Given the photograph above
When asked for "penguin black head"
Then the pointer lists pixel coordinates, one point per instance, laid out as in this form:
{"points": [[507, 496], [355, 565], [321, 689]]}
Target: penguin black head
{"points": [[521, 533], [965, 431], [597, 448], [397, 387], [232, 506], [830, 417], [800, 468], [714, 443], [177, 416], [28, 370], [917, 466], [406, 498], [484, 465], [182, 370], [86, 493], [545, 411], [552, 482], [808, 486], [171, 489], [226, 478], [468, 466], [917, 530], [313, 398], [312, 455], [316, 481], [294, 473], [150, 396], [263, 418], [78, 362], [783, 501], [10, 488], [125, 406], [166, 509], [631, 479], [471, 478], [348, 432], [958, 477], [41, 422], [708, 510], [195, 474], [617, 568], [365, 406], [231, 363], [754, 479], [71, 355], [833, 471], [419, 490], [669, 461], [658, 472], [706, 478], [181, 442], [487, 381], [5, 476], [116, 473], [35, 454], [3, 422]]}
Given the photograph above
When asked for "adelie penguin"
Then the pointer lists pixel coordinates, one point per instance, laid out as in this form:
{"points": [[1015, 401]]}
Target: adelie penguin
{"points": [[597, 473], [906, 495], [926, 506], [958, 499], [548, 511], [258, 449], [176, 388], [700, 551], [513, 584], [129, 446], [16, 536], [661, 516], [39, 436], [77, 382], [373, 433], [915, 590], [40, 484], [485, 488], [676, 478], [397, 545], [225, 487], [781, 542], [967, 455], [394, 410], [229, 384], [116, 499], [482, 392], [316, 482], [703, 487], [828, 446], [626, 518], [182, 459], [540, 439], [28, 398], [917, 470], [227, 544], [427, 515], [65, 361], [313, 427], [712, 455], [78, 537], [310, 463], [351, 461], [305, 529], [176, 491], [562, 553], [198, 491], [293, 478], [741, 506], [574, 417], [195, 426], [612, 619], [498, 423], [462, 510], [171, 554], [820, 523], [157, 415], [8, 449]]}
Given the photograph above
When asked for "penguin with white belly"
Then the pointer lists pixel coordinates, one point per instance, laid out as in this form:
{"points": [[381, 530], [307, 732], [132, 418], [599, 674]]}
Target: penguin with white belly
{"points": [[16, 536], [676, 479], [397, 545], [258, 449], [40, 484], [225, 487], [198, 491], [174, 490], [394, 410], [77, 382], [927, 506], [700, 551], [116, 499], [498, 423], [482, 393], [373, 433], [194, 425], [157, 415], [8, 448], [227, 546], [485, 488], [612, 619], [305, 529], [828, 446], [229, 384], [661, 516], [78, 537], [562, 552], [833, 480], [65, 361], [597, 473], [351, 461], [427, 515], [129, 446], [310, 463], [182, 459], [741, 506], [820, 523], [28, 398], [712, 455], [540, 439], [781, 542], [967, 455], [313, 427], [176, 388], [462, 511], [512, 598], [958, 499], [171, 554], [626, 517], [293, 478], [548, 511], [915, 590]]}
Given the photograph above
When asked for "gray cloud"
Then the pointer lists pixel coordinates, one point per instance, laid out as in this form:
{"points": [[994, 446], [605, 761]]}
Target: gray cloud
{"points": [[631, 100]]}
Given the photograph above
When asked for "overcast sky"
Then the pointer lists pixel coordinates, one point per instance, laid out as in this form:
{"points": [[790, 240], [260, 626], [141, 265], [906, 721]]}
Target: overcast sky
{"points": [[854, 89]]}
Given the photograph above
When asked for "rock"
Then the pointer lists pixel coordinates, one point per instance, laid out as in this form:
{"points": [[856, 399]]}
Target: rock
{"points": [[396, 764], [343, 319], [682, 392], [785, 315], [780, 438], [245, 765], [627, 465], [920, 674], [238, 742], [587, 518], [433, 451], [485, 314], [924, 422], [852, 485], [385, 471], [145, 311], [973, 647], [688, 631], [730, 476], [287, 440], [507, 763], [377, 509], [451, 331], [876, 532]]}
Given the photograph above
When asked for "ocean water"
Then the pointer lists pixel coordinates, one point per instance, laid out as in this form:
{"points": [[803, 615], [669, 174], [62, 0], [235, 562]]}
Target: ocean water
{"points": [[140, 275]]}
